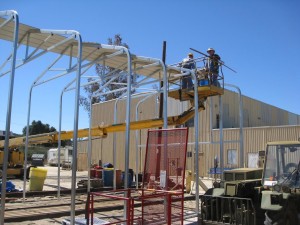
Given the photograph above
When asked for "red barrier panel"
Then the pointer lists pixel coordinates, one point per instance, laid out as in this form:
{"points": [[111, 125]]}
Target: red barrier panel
{"points": [[162, 193]]}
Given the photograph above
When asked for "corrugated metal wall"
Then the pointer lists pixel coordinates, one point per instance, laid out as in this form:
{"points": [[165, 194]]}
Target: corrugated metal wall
{"points": [[255, 114]]}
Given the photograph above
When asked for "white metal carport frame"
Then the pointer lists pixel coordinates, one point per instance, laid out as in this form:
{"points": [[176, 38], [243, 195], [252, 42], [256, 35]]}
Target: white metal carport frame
{"points": [[10, 15], [72, 35], [44, 41]]}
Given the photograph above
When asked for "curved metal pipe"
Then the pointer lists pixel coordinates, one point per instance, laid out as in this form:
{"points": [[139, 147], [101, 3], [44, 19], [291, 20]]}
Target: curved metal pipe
{"points": [[196, 125], [59, 137], [28, 116], [59, 144], [137, 140], [115, 135], [26, 142], [75, 134], [241, 117], [196, 134], [14, 15]]}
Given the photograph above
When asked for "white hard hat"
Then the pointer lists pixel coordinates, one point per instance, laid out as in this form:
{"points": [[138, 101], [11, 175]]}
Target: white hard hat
{"points": [[210, 49]]}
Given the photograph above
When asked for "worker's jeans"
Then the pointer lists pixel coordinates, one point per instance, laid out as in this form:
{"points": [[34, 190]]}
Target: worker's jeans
{"points": [[186, 82], [214, 80]]}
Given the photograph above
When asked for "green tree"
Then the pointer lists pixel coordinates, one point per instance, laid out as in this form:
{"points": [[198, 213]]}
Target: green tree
{"points": [[37, 127], [101, 70]]}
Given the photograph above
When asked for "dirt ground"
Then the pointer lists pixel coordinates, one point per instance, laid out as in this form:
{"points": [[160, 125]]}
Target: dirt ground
{"points": [[65, 183], [189, 206], [50, 221]]}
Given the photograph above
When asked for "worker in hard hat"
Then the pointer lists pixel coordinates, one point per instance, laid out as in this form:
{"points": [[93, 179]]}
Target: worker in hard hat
{"points": [[188, 63], [212, 66]]}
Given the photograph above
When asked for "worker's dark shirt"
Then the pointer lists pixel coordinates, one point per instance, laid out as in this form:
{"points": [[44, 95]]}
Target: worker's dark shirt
{"points": [[212, 64]]}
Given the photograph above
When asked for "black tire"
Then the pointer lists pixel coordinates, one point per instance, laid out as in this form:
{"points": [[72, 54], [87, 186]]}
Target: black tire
{"points": [[291, 220], [291, 217], [274, 218]]}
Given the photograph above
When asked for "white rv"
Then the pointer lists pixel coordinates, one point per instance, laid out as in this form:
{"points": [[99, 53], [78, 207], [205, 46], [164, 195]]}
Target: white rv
{"points": [[65, 156]]}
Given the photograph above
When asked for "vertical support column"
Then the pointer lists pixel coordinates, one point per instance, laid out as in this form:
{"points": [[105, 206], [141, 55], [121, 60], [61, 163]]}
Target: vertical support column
{"points": [[137, 138], [75, 134], [89, 152], [26, 143], [242, 157], [35, 83], [115, 144], [59, 137], [162, 103], [127, 134], [196, 125], [15, 16], [59, 144], [128, 110], [241, 123], [211, 102], [165, 91], [165, 116], [161, 97], [221, 137]]}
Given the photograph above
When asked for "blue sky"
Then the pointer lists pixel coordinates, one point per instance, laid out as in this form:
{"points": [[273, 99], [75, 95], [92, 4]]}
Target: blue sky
{"points": [[259, 39]]}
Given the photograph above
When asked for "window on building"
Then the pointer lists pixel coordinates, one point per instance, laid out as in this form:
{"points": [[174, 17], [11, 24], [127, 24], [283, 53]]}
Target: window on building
{"points": [[253, 160], [189, 154], [218, 121], [232, 157]]}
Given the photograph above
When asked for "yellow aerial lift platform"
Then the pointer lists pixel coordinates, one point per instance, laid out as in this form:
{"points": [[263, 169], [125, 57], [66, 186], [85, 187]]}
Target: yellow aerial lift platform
{"points": [[203, 92]]}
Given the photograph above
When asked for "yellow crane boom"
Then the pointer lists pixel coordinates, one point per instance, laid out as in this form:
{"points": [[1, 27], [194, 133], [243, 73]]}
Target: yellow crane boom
{"points": [[98, 131]]}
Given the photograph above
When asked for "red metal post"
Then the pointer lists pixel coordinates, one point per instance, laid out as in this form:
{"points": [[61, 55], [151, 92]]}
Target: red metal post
{"points": [[169, 211], [92, 212]]}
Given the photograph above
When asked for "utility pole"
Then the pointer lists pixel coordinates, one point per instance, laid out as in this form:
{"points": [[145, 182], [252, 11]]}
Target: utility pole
{"points": [[161, 82]]}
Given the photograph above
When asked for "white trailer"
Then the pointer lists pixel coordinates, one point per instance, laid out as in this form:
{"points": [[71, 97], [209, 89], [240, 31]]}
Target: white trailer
{"points": [[65, 156]]}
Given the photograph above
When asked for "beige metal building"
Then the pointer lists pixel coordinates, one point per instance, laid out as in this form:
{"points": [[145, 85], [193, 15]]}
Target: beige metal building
{"points": [[262, 123]]}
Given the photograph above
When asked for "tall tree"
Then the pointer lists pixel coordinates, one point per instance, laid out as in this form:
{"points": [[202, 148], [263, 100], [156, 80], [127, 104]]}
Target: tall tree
{"points": [[101, 70], [37, 127]]}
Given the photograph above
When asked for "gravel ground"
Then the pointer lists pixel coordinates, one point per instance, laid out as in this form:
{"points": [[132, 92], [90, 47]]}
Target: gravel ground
{"points": [[189, 204], [65, 182]]}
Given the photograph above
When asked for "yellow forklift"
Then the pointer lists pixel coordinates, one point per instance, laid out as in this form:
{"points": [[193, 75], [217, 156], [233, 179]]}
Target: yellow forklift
{"points": [[258, 196], [15, 162]]}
